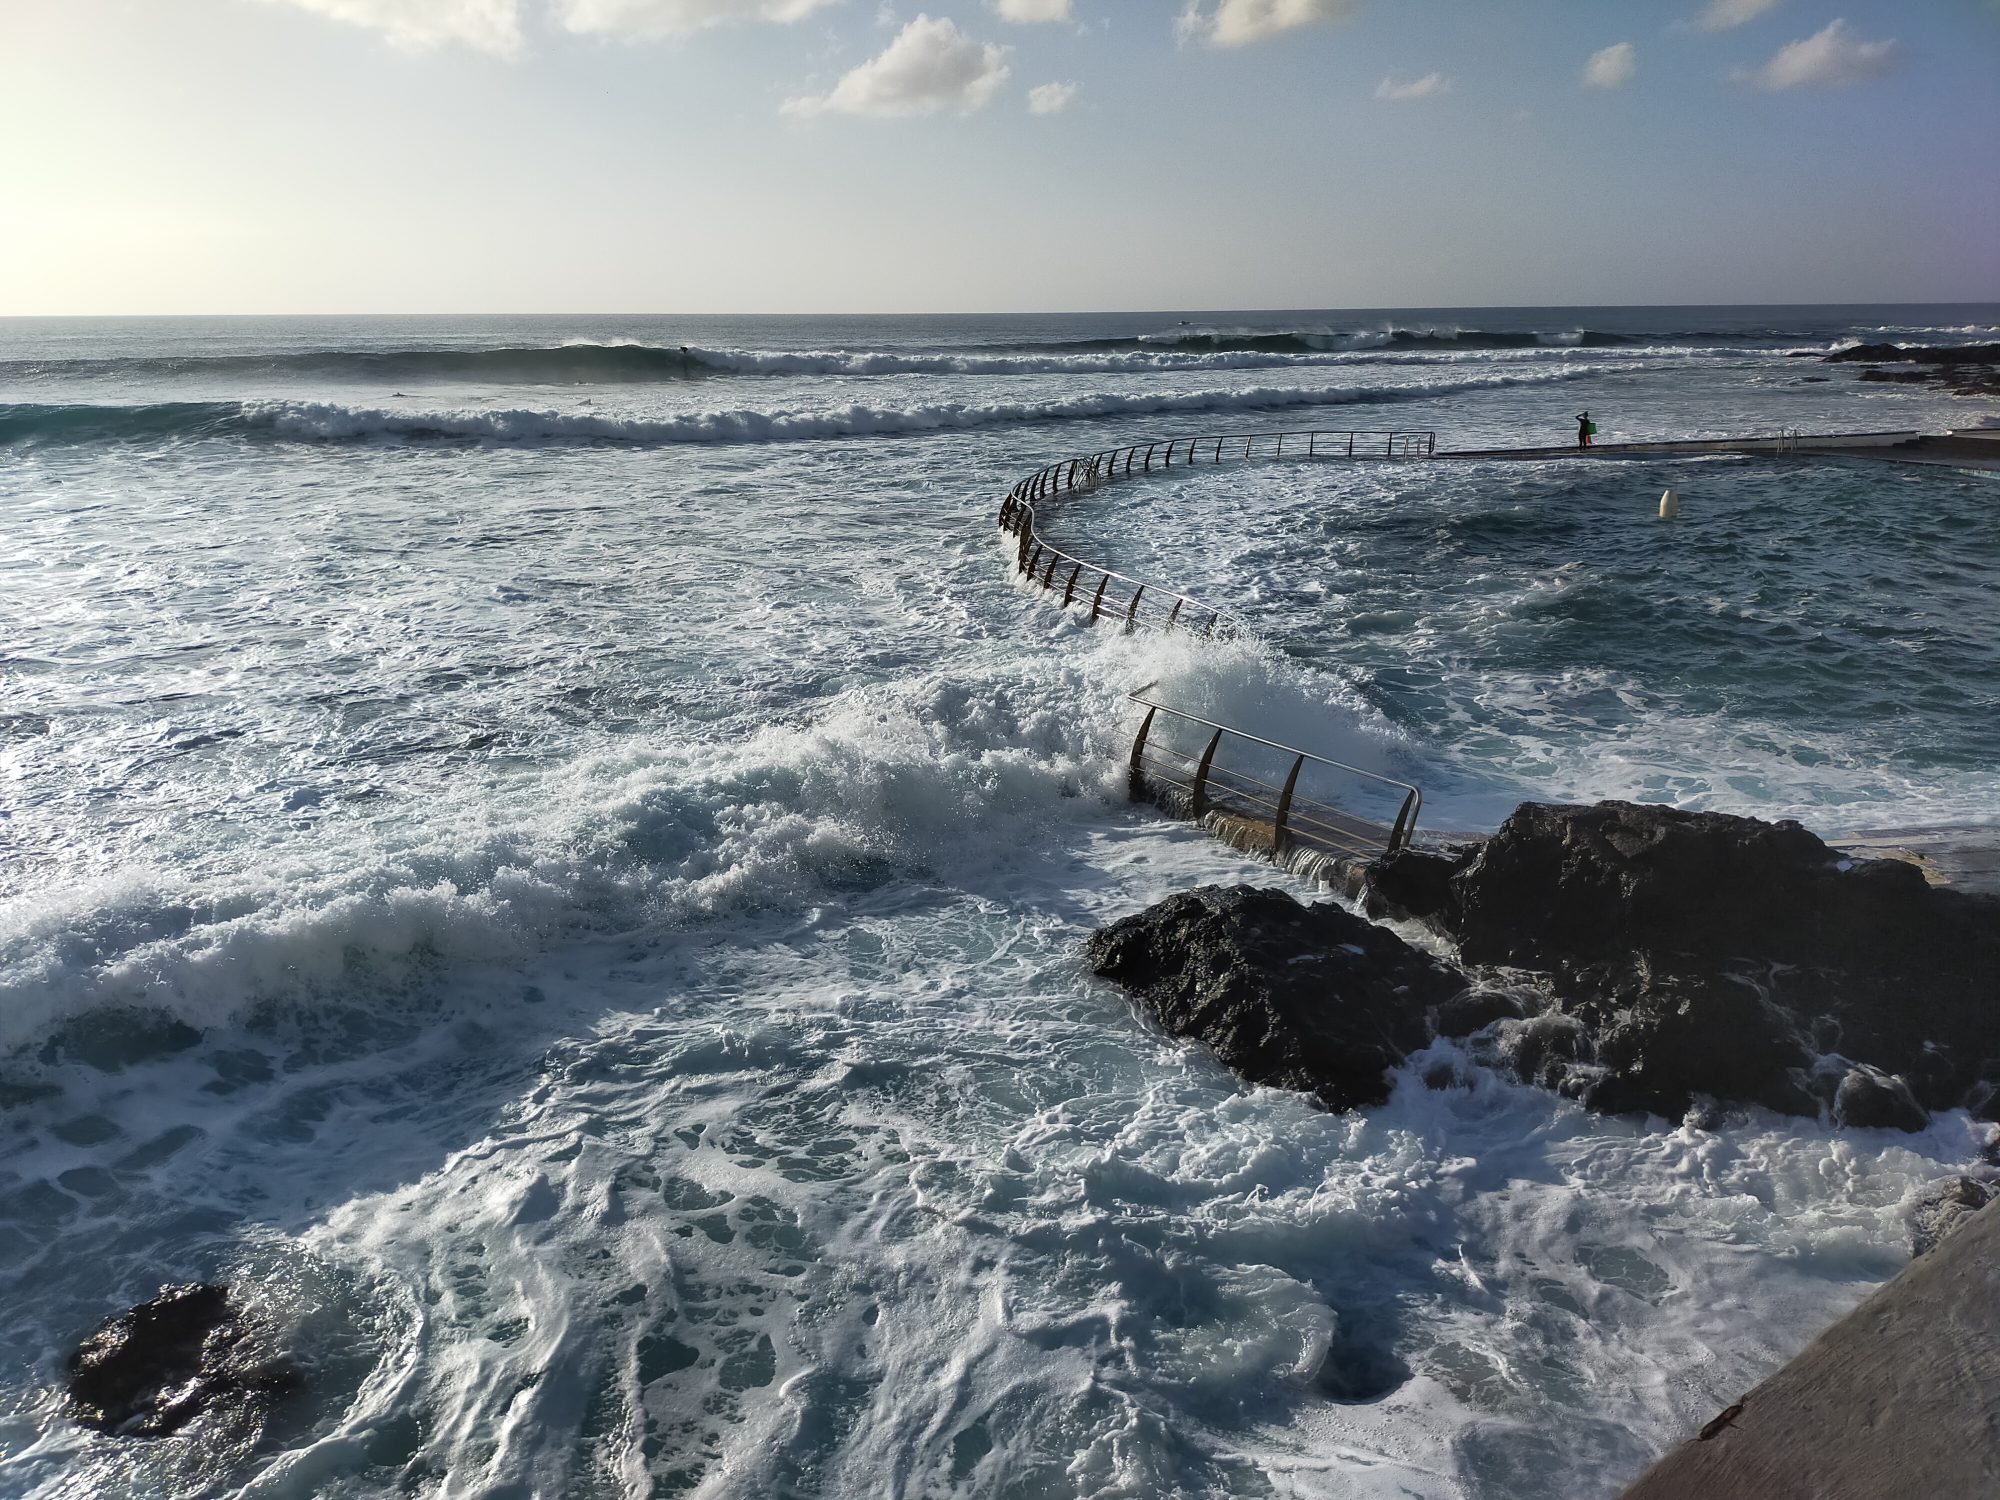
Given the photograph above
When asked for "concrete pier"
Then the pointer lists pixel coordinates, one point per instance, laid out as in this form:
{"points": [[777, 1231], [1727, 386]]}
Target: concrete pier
{"points": [[1899, 1400]]}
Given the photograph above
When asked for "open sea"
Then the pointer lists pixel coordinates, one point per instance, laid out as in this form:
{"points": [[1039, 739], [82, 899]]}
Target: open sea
{"points": [[551, 854]]}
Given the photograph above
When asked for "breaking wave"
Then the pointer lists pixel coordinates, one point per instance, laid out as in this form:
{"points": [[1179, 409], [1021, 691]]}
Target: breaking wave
{"points": [[320, 421], [1297, 342], [558, 364], [623, 363], [902, 779]]}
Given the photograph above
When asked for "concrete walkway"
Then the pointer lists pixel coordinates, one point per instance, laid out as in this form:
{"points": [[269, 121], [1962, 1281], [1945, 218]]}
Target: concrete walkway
{"points": [[1900, 1400], [1772, 443], [1965, 448]]}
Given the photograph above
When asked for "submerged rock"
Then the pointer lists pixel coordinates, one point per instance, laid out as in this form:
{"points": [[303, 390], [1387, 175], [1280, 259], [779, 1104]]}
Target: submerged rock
{"points": [[1312, 998], [150, 1371]]}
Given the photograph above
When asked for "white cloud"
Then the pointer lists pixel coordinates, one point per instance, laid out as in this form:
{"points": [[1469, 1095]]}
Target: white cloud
{"points": [[1613, 67], [1028, 11], [1416, 88], [1051, 98], [661, 18], [495, 25], [930, 66], [1827, 59], [1235, 22], [484, 25], [1722, 15]]}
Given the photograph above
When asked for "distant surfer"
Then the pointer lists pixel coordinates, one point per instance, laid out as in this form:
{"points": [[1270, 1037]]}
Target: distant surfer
{"points": [[1585, 429]]}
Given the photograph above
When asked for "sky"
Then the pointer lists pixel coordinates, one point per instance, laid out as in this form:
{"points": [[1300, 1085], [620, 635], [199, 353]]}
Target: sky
{"points": [[406, 156]]}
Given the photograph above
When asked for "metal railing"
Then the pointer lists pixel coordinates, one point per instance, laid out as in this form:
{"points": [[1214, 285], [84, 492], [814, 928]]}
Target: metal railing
{"points": [[1258, 813], [1134, 601], [1111, 595], [1098, 469]]}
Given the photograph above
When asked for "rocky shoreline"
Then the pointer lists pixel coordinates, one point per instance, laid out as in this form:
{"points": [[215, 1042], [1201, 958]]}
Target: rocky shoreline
{"points": [[1962, 369], [1639, 959]]}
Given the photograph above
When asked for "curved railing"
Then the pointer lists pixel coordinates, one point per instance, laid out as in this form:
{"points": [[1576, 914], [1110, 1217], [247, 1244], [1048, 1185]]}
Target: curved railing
{"points": [[1261, 813], [1135, 601], [1267, 813]]}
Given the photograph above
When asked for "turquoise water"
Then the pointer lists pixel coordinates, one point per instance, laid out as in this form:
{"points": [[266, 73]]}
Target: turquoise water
{"points": [[560, 875]]}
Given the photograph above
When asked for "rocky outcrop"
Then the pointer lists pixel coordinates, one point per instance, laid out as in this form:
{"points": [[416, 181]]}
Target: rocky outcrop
{"points": [[1725, 955], [1917, 354], [1679, 958], [1964, 369], [150, 1371], [1301, 997]]}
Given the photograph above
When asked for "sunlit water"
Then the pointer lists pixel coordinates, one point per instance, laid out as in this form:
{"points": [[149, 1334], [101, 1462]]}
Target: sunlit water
{"points": [[560, 875]]}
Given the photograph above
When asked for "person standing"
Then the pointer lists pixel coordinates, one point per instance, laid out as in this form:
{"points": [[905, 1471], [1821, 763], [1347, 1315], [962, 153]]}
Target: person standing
{"points": [[1585, 429]]}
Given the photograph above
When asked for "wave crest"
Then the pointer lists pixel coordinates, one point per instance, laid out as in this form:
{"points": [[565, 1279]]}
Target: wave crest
{"points": [[326, 422]]}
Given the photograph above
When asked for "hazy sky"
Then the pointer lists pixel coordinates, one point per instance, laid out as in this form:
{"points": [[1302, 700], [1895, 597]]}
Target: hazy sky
{"points": [[210, 156]]}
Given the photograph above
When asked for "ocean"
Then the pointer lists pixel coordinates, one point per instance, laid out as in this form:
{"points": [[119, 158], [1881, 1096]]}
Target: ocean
{"points": [[551, 855]]}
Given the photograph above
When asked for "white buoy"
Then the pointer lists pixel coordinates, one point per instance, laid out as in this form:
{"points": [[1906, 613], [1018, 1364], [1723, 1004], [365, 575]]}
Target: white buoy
{"points": [[1669, 506]]}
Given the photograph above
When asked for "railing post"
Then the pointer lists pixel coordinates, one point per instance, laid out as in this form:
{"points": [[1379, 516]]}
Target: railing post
{"points": [[1213, 616], [1069, 593], [1246, 446], [1030, 569], [1285, 808], [1176, 614], [1050, 571], [1135, 785], [1218, 450], [1199, 804], [1312, 444], [1021, 554], [1399, 836], [1097, 604], [1149, 458], [1281, 447], [1169, 463], [1132, 609], [1350, 445]]}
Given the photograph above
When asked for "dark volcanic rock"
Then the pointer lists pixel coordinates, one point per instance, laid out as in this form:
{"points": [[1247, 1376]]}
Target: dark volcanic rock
{"points": [[1870, 1099], [1662, 1041], [1964, 369], [1754, 935], [1921, 354], [1412, 884], [1304, 997], [151, 1371], [1473, 1010], [1684, 961], [1583, 884]]}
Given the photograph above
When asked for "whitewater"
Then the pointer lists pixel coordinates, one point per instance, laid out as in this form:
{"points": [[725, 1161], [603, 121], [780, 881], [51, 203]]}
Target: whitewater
{"points": [[551, 855]]}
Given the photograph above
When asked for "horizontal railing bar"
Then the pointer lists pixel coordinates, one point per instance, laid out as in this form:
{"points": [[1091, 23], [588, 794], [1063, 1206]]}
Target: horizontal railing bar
{"points": [[1269, 744], [1332, 817]]}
